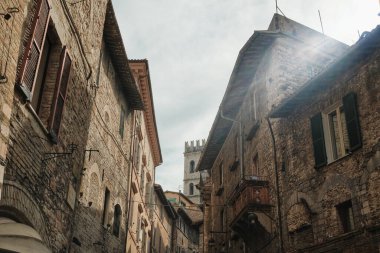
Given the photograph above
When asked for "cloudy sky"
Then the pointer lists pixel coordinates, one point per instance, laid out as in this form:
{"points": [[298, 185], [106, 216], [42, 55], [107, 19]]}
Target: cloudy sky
{"points": [[192, 45]]}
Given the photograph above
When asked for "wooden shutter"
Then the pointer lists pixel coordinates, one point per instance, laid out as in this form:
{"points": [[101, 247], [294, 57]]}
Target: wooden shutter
{"points": [[34, 46], [60, 94], [352, 121], [318, 140]]}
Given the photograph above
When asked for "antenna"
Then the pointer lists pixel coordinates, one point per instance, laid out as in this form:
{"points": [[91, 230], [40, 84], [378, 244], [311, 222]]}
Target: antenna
{"points": [[276, 7], [359, 34], [320, 19]]}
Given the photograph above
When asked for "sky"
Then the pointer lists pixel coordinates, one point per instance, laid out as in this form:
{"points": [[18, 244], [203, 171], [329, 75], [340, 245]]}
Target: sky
{"points": [[192, 46]]}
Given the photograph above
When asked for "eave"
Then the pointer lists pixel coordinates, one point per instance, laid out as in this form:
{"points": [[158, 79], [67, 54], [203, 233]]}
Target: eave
{"points": [[114, 43], [245, 68], [361, 50], [168, 206], [149, 115]]}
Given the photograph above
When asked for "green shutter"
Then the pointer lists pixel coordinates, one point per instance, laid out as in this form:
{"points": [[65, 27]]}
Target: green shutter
{"points": [[352, 121], [318, 140]]}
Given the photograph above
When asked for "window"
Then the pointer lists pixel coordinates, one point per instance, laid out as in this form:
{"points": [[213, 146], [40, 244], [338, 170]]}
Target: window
{"points": [[142, 181], [138, 229], [106, 207], [222, 220], [221, 174], [116, 220], [255, 166], [122, 119], [346, 216], [191, 189], [336, 132], [192, 166], [45, 71], [253, 102]]}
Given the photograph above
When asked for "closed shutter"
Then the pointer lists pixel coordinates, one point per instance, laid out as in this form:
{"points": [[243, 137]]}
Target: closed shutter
{"points": [[60, 94], [33, 49], [352, 121], [318, 140]]}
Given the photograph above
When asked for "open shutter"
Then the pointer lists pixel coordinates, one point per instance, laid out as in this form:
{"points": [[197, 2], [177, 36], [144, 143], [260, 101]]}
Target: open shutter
{"points": [[318, 140], [60, 94], [352, 121], [33, 49]]}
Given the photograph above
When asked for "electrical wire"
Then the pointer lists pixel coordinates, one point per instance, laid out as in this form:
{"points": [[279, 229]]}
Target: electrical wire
{"points": [[77, 37]]}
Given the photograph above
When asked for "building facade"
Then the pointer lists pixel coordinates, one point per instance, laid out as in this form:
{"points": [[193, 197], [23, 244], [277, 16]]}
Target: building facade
{"points": [[330, 174], [163, 223], [243, 205], [191, 177], [101, 216], [47, 78], [145, 156], [186, 237]]}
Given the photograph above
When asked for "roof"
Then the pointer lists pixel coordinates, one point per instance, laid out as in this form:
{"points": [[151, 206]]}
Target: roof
{"points": [[362, 49], [114, 43], [168, 206], [245, 68], [149, 115], [193, 216], [181, 195]]}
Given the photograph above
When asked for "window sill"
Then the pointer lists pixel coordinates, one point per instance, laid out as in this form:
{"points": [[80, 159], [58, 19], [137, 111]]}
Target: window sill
{"points": [[51, 137], [339, 159]]}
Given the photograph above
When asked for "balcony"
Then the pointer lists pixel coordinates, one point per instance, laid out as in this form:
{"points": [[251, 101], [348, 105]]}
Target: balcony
{"points": [[251, 212], [251, 194]]}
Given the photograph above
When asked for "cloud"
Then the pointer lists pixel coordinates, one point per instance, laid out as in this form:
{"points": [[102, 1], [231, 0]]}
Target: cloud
{"points": [[192, 47]]}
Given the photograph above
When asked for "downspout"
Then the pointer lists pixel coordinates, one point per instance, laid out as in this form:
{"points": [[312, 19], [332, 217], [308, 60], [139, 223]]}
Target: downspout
{"points": [[277, 187], [133, 132], [241, 140]]}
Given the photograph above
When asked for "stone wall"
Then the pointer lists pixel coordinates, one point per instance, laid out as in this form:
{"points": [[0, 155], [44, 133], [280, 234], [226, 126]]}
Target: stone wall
{"points": [[41, 177]]}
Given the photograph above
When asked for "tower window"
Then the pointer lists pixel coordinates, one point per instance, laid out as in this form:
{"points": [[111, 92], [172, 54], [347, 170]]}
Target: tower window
{"points": [[116, 220], [192, 166], [191, 189]]}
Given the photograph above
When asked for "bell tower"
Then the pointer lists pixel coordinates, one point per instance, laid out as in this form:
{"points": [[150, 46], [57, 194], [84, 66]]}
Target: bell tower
{"points": [[191, 178]]}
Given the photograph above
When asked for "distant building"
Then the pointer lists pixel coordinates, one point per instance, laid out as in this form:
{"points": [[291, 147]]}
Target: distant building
{"points": [[189, 223], [191, 177], [163, 223]]}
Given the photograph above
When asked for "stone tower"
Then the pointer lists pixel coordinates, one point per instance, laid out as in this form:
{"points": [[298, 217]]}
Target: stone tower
{"points": [[191, 178]]}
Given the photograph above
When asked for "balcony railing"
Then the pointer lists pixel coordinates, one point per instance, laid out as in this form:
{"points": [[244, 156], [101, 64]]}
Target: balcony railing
{"points": [[251, 194]]}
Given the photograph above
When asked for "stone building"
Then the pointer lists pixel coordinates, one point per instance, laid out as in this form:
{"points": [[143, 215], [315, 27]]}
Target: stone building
{"points": [[145, 156], [48, 77], [191, 178], [242, 211], [186, 237], [328, 146], [163, 223], [101, 216], [78, 143]]}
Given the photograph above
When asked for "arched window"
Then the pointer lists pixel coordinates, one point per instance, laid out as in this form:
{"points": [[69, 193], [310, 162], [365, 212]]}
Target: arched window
{"points": [[116, 220], [191, 189], [192, 166]]}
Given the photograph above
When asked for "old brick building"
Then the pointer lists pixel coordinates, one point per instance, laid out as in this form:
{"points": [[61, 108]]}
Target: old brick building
{"points": [[67, 96], [163, 223], [243, 205], [329, 149], [146, 156], [101, 216]]}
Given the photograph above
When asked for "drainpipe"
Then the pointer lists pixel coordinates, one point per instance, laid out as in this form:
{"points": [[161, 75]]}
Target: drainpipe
{"points": [[241, 140], [277, 187]]}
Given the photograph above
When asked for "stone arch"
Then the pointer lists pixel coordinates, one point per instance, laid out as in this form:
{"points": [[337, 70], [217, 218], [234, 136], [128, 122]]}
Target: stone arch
{"points": [[336, 189], [93, 185], [17, 202], [300, 197]]}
